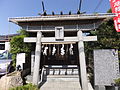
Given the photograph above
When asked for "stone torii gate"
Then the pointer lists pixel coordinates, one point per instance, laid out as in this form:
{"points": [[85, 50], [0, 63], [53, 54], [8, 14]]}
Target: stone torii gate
{"points": [[80, 39], [62, 23]]}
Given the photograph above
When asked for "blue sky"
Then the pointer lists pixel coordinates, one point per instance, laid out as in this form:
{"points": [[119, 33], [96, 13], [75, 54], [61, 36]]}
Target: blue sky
{"points": [[20, 8]]}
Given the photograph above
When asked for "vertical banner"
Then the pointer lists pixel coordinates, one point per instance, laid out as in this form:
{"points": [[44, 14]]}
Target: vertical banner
{"points": [[115, 6], [117, 23]]}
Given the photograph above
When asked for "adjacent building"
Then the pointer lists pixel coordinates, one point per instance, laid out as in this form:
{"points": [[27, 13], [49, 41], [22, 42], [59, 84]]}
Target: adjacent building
{"points": [[5, 42]]}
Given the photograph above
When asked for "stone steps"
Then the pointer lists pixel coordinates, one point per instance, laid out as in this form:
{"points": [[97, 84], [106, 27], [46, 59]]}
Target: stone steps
{"points": [[61, 86], [61, 78]]}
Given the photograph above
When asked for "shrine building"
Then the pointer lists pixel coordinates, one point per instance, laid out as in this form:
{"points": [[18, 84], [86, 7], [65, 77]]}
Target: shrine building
{"points": [[59, 46]]}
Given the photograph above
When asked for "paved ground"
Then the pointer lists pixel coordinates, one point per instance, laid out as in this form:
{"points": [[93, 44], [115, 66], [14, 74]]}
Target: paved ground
{"points": [[61, 82], [61, 86]]}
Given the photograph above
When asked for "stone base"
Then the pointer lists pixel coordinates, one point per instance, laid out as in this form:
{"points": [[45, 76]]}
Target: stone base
{"points": [[106, 88], [100, 87]]}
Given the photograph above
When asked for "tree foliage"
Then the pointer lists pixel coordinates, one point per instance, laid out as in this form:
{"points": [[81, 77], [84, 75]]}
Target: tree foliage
{"points": [[18, 46], [108, 38]]}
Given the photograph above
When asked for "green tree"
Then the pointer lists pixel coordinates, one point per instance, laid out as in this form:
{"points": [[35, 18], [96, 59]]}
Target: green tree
{"points": [[108, 38], [18, 46]]}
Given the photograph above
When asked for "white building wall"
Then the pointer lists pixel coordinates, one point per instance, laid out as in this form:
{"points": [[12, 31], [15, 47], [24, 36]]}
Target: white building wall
{"points": [[7, 46], [1, 51]]}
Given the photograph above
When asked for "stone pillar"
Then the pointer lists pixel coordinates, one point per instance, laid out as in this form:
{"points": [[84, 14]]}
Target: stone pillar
{"points": [[82, 62], [36, 76], [100, 87]]}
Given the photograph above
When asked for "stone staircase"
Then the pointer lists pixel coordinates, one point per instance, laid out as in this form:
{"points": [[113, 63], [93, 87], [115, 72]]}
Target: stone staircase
{"points": [[60, 78], [61, 86]]}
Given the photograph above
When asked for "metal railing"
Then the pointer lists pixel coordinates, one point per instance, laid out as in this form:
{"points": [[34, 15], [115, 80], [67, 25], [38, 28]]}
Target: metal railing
{"points": [[61, 70], [66, 27], [42, 74]]}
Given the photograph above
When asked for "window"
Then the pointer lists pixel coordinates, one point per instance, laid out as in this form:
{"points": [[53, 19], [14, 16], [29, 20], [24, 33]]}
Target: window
{"points": [[5, 55], [2, 46]]}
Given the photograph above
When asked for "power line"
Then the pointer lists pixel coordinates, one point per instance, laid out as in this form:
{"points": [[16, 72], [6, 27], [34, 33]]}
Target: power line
{"points": [[98, 5]]}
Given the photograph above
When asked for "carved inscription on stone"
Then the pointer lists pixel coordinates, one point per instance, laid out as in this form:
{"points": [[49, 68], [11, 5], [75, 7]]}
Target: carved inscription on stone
{"points": [[106, 66]]}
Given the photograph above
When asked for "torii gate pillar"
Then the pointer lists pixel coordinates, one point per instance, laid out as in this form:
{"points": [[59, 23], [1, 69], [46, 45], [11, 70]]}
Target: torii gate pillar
{"points": [[36, 74], [83, 72]]}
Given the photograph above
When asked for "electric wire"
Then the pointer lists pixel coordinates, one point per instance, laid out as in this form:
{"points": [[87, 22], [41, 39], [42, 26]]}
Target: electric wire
{"points": [[100, 2]]}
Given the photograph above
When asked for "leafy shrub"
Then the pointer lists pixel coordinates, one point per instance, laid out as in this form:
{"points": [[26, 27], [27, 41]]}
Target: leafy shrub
{"points": [[117, 82], [18, 45], [25, 87]]}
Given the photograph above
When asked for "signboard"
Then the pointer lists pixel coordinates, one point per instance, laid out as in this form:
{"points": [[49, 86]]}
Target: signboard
{"points": [[115, 6], [59, 33], [106, 66], [20, 59]]}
